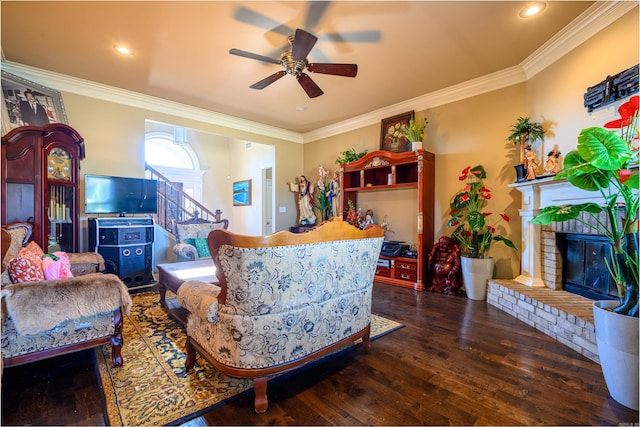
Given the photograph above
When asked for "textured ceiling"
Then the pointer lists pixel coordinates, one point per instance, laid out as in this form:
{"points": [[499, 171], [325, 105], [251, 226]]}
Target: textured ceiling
{"points": [[403, 49]]}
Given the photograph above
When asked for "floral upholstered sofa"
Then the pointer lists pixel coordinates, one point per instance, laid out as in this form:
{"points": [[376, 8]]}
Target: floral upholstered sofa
{"points": [[46, 318], [283, 300], [191, 238]]}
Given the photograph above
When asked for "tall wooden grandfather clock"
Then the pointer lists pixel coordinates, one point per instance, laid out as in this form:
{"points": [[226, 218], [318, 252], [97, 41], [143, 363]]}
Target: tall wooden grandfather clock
{"points": [[40, 183]]}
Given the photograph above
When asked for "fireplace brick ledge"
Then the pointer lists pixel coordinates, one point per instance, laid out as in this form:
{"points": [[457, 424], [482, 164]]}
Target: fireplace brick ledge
{"points": [[565, 317]]}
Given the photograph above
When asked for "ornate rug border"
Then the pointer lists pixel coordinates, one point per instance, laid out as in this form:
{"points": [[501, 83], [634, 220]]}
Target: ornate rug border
{"points": [[103, 367]]}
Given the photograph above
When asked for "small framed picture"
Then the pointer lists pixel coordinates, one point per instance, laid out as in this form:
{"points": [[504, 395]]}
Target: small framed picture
{"points": [[30, 104], [393, 133], [242, 193]]}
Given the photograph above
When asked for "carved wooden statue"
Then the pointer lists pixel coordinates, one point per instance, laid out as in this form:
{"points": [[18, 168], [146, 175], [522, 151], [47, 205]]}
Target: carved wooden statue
{"points": [[444, 267]]}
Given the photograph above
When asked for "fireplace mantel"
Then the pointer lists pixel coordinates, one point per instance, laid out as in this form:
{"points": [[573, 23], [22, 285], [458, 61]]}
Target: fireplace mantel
{"points": [[538, 194]]}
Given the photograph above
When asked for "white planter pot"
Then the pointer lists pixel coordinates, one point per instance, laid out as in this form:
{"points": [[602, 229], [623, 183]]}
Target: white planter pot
{"points": [[416, 145], [617, 338], [476, 272]]}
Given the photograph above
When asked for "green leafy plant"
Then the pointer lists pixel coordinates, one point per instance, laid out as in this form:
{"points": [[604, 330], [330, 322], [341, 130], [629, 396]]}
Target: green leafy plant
{"points": [[472, 232], [350, 155], [525, 131], [607, 162], [415, 130]]}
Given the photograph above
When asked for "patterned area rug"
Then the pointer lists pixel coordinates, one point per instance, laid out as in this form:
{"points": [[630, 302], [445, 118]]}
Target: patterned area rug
{"points": [[153, 388]]}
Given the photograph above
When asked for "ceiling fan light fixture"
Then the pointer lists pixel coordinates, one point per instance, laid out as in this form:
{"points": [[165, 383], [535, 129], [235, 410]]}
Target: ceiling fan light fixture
{"points": [[532, 9]]}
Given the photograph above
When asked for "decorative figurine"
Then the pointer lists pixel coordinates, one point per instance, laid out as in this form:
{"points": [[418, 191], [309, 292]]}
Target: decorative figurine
{"points": [[304, 188], [553, 163], [531, 163], [444, 267], [334, 194]]}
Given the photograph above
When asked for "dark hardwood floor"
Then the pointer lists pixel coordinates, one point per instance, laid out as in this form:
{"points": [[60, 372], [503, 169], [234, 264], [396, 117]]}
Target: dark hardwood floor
{"points": [[456, 362]]}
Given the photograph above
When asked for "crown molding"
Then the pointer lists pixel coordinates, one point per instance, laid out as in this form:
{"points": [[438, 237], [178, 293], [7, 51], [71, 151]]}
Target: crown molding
{"points": [[484, 84], [69, 84], [593, 20], [589, 23]]}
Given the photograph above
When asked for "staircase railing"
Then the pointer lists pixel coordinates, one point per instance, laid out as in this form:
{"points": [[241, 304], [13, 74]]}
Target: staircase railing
{"points": [[176, 206]]}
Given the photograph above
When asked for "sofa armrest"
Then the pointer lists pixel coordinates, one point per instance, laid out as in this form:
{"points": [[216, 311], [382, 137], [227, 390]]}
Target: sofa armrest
{"points": [[185, 251], [200, 299], [90, 262]]}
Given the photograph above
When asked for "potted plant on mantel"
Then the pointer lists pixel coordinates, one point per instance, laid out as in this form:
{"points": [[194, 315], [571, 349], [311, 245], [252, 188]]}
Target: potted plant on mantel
{"points": [[524, 132], [473, 233], [607, 162]]}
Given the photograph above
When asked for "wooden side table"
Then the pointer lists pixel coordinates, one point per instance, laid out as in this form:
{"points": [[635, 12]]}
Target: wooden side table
{"points": [[172, 276]]}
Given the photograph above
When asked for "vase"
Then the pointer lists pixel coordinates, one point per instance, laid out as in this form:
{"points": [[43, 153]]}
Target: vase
{"points": [[416, 145], [521, 172], [617, 339], [476, 272]]}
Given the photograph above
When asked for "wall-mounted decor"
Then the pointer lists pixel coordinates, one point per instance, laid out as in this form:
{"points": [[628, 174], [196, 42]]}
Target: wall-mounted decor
{"points": [[30, 104], [612, 88], [242, 193], [393, 133]]}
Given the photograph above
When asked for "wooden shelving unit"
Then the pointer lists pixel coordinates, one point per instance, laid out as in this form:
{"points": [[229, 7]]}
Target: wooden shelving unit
{"points": [[387, 171]]}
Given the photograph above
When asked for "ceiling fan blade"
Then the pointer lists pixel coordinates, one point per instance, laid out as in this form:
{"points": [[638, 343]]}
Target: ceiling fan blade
{"points": [[346, 70], [309, 86], [369, 36], [251, 17], [302, 44], [267, 81], [315, 12], [250, 55]]}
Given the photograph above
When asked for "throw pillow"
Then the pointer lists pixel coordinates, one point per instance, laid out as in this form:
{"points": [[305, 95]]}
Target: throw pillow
{"points": [[56, 266], [25, 268], [33, 249], [202, 246]]}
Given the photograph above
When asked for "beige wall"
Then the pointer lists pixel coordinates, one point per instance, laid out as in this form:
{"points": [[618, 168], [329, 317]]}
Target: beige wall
{"points": [[114, 142], [557, 93], [460, 134], [473, 131], [463, 133]]}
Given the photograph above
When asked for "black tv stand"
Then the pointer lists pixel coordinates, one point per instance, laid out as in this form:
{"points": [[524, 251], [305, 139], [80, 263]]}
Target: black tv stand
{"points": [[126, 244]]}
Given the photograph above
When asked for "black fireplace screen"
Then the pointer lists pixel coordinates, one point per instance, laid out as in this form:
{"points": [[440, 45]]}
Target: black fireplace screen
{"points": [[584, 268]]}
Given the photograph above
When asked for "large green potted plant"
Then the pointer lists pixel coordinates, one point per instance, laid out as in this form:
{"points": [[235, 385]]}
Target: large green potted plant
{"points": [[524, 132], [473, 232], [606, 162]]}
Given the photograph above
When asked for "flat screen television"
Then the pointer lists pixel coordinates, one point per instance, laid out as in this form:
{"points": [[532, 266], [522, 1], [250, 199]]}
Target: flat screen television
{"points": [[120, 195]]}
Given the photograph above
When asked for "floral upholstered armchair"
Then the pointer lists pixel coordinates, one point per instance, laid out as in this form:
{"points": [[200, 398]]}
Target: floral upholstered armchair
{"points": [[45, 318], [191, 237]]}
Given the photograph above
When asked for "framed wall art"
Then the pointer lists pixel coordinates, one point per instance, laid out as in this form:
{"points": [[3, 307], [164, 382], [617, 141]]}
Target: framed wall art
{"points": [[242, 193], [30, 104], [393, 131]]}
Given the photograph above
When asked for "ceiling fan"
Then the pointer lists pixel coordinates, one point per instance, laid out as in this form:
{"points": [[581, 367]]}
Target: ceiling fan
{"points": [[294, 61]]}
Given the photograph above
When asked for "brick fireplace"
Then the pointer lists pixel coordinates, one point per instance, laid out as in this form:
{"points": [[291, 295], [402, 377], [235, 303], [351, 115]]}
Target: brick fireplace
{"points": [[537, 296], [579, 249], [541, 258]]}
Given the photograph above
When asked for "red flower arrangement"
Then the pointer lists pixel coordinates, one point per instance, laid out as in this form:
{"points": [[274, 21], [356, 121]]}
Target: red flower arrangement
{"points": [[472, 232]]}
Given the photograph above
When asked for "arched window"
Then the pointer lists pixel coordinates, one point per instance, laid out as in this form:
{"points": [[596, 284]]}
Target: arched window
{"points": [[161, 149], [172, 156]]}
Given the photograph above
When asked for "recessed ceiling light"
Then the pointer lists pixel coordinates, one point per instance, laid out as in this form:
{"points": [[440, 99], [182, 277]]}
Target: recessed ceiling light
{"points": [[123, 50], [532, 9], [301, 108]]}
